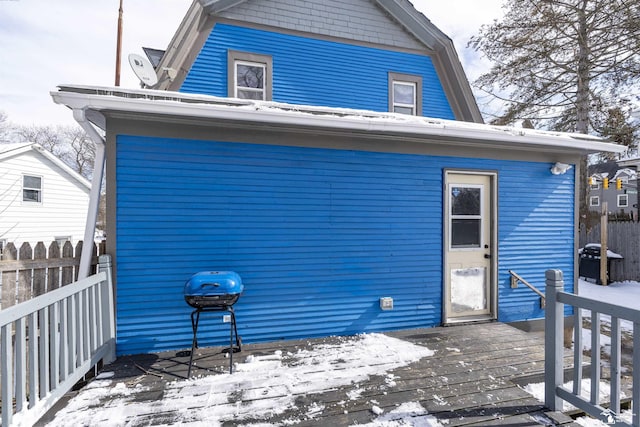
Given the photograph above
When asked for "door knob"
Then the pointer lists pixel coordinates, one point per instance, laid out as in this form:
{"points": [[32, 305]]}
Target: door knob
{"points": [[487, 256]]}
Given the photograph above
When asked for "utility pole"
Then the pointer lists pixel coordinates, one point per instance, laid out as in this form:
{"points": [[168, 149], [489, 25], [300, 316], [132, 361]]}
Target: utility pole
{"points": [[119, 45]]}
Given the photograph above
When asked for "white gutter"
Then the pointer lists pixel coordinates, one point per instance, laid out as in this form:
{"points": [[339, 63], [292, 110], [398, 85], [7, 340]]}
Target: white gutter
{"points": [[163, 103], [94, 197]]}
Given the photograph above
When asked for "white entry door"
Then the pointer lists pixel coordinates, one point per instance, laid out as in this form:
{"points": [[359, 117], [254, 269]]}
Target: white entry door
{"points": [[470, 290]]}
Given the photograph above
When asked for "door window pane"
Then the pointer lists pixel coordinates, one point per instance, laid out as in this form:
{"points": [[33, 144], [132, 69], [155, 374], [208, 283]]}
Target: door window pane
{"points": [[465, 233], [465, 201]]}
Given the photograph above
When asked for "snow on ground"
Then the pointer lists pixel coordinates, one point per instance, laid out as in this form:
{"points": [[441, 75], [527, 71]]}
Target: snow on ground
{"points": [[261, 387], [537, 391], [621, 293], [625, 293]]}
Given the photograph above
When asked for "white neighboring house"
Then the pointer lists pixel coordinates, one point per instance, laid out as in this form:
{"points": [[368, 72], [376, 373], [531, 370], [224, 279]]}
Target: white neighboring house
{"points": [[41, 198]]}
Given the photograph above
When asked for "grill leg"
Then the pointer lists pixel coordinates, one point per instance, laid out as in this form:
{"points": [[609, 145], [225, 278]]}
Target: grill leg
{"points": [[195, 319], [233, 329]]}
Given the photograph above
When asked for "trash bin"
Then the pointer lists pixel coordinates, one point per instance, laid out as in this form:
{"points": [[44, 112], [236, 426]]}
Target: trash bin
{"points": [[590, 256]]}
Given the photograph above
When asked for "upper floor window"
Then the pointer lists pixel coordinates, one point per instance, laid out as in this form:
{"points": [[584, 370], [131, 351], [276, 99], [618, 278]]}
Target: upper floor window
{"points": [[405, 94], [249, 75], [31, 188], [594, 201], [623, 200]]}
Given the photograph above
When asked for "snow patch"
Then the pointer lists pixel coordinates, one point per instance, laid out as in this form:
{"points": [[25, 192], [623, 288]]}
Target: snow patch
{"points": [[261, 387]]}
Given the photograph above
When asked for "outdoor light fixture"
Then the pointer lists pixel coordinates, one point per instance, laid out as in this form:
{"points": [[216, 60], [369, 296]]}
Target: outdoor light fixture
{"points": [[560, 168]]}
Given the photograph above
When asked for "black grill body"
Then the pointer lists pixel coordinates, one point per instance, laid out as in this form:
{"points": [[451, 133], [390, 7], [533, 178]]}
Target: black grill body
{"points": [[213, 289]]}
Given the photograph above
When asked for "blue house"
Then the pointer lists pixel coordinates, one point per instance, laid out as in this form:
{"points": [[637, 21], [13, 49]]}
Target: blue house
{"points": [[333, 155]]}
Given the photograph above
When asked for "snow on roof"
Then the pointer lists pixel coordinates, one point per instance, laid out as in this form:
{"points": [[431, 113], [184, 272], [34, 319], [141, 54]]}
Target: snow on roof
{"points": [[96, 100]]}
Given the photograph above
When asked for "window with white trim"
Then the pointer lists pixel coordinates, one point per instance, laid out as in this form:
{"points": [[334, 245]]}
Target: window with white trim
{"points": [[61, 240], [594, 201], [595, 185], [31, 188], [405, 94], [249, 76], [623, 200]]}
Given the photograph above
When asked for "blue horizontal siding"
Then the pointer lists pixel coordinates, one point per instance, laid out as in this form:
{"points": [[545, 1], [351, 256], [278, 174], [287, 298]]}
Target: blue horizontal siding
{"points": [[316, 72], [536, 233], [318, 236]]}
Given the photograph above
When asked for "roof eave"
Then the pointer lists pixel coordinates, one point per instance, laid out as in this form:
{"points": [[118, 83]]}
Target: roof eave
{"points": [[201, 108]]}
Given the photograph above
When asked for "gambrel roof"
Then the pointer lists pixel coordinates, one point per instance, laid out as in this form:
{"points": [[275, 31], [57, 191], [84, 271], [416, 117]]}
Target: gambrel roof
{"points": [[203, 14]]}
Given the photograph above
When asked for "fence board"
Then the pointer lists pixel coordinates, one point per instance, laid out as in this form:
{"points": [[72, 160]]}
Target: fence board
{"points": [[54, 271], [67, 272], [39, 274], [26, 273], [10, 253]]}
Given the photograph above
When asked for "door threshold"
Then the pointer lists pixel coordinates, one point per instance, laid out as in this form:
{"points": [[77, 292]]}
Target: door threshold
{"points": [[469, 320]]}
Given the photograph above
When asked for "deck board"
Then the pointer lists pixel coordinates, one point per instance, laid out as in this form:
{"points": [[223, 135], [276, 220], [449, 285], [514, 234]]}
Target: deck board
{"points": [[471, 380]]}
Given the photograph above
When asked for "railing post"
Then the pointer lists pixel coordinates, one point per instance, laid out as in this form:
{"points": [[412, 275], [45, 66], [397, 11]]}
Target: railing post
{"points": [[553, 340], [108, 312]]}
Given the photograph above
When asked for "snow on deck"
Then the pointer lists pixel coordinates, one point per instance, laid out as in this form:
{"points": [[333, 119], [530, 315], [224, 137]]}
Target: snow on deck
{"points": [[428, 377]]}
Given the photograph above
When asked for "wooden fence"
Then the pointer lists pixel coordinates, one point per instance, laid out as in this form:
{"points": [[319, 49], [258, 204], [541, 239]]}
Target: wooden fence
{"points": [[624, 239], [28, 272]]}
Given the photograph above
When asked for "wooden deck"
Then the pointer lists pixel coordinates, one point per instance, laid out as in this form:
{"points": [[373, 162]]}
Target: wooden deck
{"points": [[473, 379]]}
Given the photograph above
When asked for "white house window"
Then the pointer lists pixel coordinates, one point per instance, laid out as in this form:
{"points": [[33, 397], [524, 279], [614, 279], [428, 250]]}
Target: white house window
{"points": [[594, 201], [61, 240], [623, 200], [595, 185], [249, 76], [31, 188], [405, 94], [404, 98], [250, 80]]}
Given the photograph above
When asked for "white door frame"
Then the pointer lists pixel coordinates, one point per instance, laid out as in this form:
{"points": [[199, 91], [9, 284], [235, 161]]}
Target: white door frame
{"points": [[489, 245]]}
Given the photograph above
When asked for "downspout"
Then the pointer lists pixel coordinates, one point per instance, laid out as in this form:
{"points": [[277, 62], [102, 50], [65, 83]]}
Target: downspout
{"points": [[94, 198]]}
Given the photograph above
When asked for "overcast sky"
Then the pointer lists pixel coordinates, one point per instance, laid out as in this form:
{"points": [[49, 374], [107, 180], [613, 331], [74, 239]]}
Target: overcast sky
{"points": [[44, 43]]}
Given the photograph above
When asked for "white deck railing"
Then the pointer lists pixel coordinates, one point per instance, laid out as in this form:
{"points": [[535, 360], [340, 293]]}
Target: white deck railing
{"points": [[50, 342], [555, 393]]}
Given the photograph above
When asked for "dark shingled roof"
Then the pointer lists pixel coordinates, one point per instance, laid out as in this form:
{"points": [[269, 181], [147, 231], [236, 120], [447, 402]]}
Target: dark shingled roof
{"points": [[154, 55]]}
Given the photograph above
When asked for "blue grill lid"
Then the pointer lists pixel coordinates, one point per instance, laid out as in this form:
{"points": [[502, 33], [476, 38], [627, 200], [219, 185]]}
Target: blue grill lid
{"points": [[207, 283]]}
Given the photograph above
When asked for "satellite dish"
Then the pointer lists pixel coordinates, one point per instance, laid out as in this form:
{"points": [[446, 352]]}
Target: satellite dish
{"points": [[143, 69]]}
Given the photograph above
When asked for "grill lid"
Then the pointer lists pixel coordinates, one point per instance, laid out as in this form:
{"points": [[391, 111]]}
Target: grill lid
{"points": [[212, 283]]}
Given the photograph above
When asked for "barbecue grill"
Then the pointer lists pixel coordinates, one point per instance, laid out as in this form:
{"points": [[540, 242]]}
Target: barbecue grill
{"points": [[214, 291]]}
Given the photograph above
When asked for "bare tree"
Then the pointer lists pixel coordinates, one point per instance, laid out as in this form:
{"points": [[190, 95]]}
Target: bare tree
{"points": [[69, 143], [47, 136], [561, 64], [81, 151], [6, 128]]}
